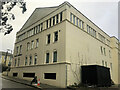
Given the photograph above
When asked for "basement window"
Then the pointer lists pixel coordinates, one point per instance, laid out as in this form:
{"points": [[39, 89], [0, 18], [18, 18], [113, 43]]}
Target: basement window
{"points": [[31, 75], [15, 74], [50, 76]]}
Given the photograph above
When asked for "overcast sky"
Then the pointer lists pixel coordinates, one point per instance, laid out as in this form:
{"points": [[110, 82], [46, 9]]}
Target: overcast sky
{"points": [[104, 13]]}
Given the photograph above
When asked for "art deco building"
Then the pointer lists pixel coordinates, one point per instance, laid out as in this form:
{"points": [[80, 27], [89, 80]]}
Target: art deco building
{"points": [[54, 43]]}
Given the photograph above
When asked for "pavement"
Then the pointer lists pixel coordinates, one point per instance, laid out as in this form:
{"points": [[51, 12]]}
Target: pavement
{"points": [[25, 82]]}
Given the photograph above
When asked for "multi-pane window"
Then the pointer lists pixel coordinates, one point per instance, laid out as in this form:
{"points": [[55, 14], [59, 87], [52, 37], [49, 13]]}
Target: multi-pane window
{"points": [[60, 16], [91, 31], [26, 60], [32, 44], [54, 20], [18, 61], [57, 18], [47, 57], [55, 56], [17, 50], [48, 39], [30, 61], [55, 36], [20, 49], [35, 59], [101, 37], [37, 42], [82, 25]]}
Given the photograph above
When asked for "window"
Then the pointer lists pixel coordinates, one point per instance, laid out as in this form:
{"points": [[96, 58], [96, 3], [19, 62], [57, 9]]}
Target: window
{"points": [[77, 21], [50, 76], [109, 54], [32, 44], [102, 62], [20, 48], [28, 46], [60, 16], [104, 52], [47, 24], [48, 39], [30, 60], [18, 61], [56, 36], [54, 20], [26, 60], [37, 42], [35, 59], [57, 18], [82, 25], [71, 17], [50, 22], [41, 26], [101, 37], [17, 50], [101, 50], [32, 75], [15, 74], [106, 64], [55, 56], [47, 57], [15, 62]]}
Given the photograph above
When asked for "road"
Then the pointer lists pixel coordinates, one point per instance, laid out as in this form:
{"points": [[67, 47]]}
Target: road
{"points": [[4, 83]]}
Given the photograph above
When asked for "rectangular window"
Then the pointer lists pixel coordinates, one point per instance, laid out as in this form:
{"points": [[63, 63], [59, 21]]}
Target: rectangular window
{"points": [[20, 49], [77, 21], [50, 22], [60, 16], [17, 50], [80, 23], [31, 75], [15, 74], [54, 20], [41, 26], [57, 18], [48, 39], [56, 36], [30, 60], [47, 57], [37, 42], [47, 24], [104, 52], [50, 76], [28, 46], [35, 59], [26, 60], [15, 62], [71, 17], [18, 61], [101, 50], [106, 64], [55, 56], [32, 44]]}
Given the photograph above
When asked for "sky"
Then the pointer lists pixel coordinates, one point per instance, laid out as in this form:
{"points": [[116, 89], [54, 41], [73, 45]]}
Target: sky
{"points": [[104, 13]]}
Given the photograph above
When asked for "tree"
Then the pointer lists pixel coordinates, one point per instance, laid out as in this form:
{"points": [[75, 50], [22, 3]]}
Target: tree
{"points": [[5, 7]]}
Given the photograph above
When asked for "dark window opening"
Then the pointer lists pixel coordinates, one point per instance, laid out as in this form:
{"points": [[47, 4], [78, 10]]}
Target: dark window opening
{"points": [[50, 76], [55, 56], [48, 41], [60, 16], [54, 20], [56, 36], [29, 75], [47, 57], [50, 22], [57, 18], [47, 24], [15, 74]]}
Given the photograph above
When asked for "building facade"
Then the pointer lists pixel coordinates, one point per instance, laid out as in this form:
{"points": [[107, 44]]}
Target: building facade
{"points": [[54, 43]]}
